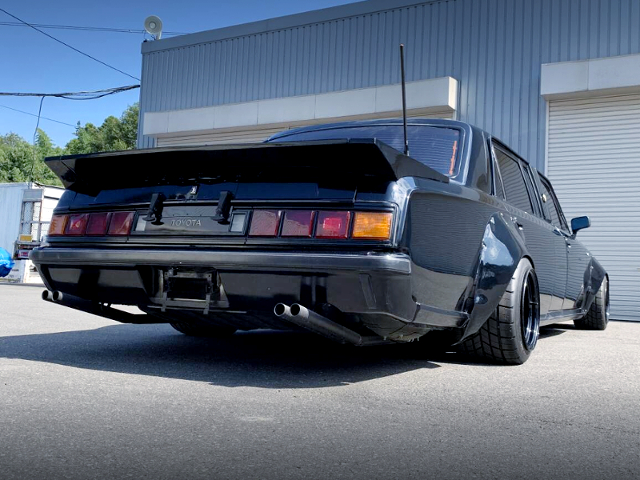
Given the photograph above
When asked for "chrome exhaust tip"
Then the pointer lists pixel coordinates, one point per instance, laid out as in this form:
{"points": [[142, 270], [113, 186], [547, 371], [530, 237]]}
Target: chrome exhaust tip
{"points": [[298, 310], [281, 310]]}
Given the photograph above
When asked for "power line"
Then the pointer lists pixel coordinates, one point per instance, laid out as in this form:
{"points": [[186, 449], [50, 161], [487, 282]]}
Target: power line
{"points": [[35, 135], [67, 45], [34, 115], [84, 95], [85, 28]]}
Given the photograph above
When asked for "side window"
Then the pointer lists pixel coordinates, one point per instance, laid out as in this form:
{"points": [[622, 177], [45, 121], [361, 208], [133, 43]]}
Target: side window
{"points": [[497, 179], [513, 181], [528, 178], [548, 197]]}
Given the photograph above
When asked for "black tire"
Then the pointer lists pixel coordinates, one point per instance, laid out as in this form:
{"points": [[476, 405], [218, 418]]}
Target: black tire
{"points": [[597, 317], [194, 329], [511, 333]]}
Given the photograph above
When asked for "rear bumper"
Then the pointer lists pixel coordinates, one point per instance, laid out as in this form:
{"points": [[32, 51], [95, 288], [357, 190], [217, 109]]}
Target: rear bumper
{"points": [[395, 264], [376, 287]]}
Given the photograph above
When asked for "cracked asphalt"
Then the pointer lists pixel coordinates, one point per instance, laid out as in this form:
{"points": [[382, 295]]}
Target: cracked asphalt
{"points": [[82, 397]]}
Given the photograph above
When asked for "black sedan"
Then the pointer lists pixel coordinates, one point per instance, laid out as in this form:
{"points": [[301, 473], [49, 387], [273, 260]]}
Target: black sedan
{"points": [[331, 229]]}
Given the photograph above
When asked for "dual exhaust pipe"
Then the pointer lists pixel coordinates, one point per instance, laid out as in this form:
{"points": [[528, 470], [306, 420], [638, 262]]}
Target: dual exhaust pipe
{"points": [[50, 296], [97, 308], [316, 323], [296, 314]]}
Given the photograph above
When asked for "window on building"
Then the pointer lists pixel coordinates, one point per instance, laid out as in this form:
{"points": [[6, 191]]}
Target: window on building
{"points": [[513, 181]]}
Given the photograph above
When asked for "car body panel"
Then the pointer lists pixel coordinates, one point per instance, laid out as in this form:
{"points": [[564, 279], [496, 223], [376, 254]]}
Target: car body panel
{"points": [[453, 249]]}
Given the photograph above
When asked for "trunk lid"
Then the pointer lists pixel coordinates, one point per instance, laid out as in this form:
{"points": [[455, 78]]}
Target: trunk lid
{"points": [[192, 183]]}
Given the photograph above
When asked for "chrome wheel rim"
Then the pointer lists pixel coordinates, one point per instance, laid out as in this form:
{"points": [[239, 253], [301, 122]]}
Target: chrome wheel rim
{"points": [[530, 312]]}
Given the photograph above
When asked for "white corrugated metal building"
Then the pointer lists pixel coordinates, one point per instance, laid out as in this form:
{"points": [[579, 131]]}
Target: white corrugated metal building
{"points": [[557, 80], [593, 160], [25, 214]]}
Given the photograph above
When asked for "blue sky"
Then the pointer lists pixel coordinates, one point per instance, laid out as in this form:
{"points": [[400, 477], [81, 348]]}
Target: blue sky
{"points": [[31, 62]]}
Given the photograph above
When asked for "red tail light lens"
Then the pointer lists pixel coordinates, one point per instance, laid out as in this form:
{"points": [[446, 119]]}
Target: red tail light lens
{"points": [[298, 223], [120, 223], [97, 224], [333, 224], [265, 223], [57, 226], [77, 224]]}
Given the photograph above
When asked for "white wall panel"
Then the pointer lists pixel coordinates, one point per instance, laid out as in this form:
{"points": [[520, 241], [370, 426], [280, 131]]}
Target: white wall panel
{"points": [[262, 132]]}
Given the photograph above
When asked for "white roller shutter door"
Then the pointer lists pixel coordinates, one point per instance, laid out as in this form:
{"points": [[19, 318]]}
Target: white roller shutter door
{"points": [[593, 163], [261, 133]]}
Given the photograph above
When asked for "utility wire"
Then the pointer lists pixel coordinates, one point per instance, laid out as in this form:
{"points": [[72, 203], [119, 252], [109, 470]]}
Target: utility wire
{"points": [[35, 135], [85, 28], [34, 115], [67, 45], [85, 95]]}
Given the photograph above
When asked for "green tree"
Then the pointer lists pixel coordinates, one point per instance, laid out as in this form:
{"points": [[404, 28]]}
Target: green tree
{"points": [[21, 161], [114, 134]]}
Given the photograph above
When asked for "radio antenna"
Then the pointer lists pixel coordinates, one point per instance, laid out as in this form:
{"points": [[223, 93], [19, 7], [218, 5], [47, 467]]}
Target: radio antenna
{"points": [[404, 102]]}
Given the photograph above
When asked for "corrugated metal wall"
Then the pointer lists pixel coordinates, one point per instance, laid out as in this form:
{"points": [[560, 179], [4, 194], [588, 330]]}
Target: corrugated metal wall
{"points": [[10, 213], [493, 47]]}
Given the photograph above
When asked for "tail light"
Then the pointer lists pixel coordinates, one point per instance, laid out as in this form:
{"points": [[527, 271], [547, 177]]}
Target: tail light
{"points": [[77, 224], [337, 225], [372, 225], [265, 223], [57, 225], [333, 224], [298, 223], [98, 223], [95, 224], [120, 224]]}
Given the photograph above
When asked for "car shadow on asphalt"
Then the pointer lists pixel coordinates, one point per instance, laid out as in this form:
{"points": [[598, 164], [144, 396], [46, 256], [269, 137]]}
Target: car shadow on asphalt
{"points": [[266, 359], [554, 330]]}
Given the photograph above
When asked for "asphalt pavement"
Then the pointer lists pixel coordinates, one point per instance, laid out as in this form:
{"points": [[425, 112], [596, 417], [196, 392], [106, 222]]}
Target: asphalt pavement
{"points": [[83, 397]]}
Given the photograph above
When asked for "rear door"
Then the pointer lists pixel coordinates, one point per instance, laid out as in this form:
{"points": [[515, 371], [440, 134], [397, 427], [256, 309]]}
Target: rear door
{"points": [[546, 247]]}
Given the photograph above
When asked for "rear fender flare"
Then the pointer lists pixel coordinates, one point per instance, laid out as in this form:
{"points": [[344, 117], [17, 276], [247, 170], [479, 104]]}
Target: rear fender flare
{"points": [[500, 252], [594, 275]]}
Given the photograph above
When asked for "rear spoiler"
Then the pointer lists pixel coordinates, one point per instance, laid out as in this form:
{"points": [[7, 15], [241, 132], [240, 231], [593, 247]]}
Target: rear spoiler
{"points": [[94, 172]]}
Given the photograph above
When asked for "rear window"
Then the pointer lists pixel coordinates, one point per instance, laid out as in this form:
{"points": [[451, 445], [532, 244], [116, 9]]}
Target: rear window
{"points": [[436, 147]]}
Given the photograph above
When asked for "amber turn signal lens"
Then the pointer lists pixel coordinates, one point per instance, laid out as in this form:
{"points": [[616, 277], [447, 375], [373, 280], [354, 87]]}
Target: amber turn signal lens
{"points": [[372, 225], [58, 224]]}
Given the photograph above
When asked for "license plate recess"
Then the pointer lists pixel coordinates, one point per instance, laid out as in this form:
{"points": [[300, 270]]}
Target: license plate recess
{"points": [[190, 289]]}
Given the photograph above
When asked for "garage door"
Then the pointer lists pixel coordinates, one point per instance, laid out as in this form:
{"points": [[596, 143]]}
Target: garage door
{"points": [[594, 165], [261, 133]]}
